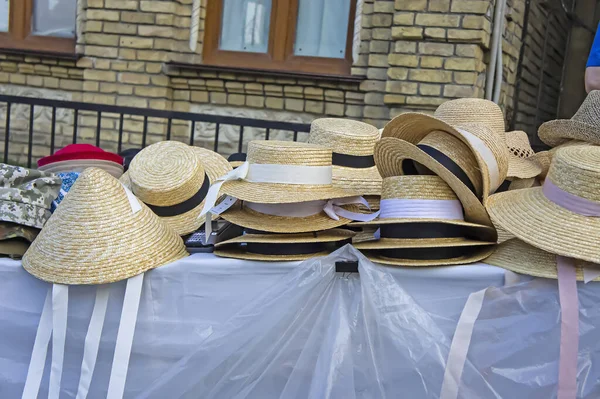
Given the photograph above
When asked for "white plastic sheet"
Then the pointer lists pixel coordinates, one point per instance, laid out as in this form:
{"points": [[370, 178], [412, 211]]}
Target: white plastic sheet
{"points": [[218, 328]]}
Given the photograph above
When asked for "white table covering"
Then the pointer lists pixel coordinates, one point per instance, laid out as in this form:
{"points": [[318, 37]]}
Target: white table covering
{"points": [[211, 327]]}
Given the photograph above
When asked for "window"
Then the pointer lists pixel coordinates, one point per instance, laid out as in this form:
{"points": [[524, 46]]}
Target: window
{"points": [[38, 25], [310, 36]]}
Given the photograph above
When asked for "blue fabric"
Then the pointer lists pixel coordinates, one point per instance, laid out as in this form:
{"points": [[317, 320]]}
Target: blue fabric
{"points": [[68, 179], [594, 57]]}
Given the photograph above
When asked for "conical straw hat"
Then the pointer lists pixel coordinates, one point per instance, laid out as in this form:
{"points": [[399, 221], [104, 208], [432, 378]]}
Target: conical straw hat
{"points": [[94, 236], [532, 217], [520, 257], [583, 126], [283, 247], [352, 144], [172, 178], [520, 165], [463, 118], [391, 155]]}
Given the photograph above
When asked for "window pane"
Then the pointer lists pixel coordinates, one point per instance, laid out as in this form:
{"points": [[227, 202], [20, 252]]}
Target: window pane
{"points": [[3, 15], [322, 28], [245, 25], [54, 18]]}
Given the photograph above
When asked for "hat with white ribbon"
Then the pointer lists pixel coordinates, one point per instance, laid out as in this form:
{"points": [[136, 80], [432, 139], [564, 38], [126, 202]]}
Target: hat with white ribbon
{"points": [[285, 187], [101, 233], [478, 123]]}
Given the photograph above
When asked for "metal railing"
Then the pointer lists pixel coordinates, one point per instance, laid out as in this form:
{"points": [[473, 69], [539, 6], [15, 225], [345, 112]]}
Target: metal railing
{"points": [[121, 112]]}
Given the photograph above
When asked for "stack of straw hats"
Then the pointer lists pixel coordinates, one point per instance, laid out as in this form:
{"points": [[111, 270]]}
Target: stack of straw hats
{"points": [[560, 218], [78, 157], [173, 179], [287, 204]]}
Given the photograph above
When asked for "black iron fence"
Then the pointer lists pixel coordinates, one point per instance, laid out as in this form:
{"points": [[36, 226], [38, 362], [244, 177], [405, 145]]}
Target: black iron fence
{"points": [[120, 114]]}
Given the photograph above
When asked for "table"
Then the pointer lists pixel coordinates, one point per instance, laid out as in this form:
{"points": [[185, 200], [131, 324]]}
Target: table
{"points": [[211, 327]]}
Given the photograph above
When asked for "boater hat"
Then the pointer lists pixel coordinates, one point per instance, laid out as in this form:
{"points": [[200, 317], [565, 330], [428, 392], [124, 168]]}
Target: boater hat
{"points": [[583, 126], [394, 157], [352, 143], [100, 234], [562, 216], [478, 123], [420, 214], [520, 257], [520, 164], [173, 179], [256, 245]]}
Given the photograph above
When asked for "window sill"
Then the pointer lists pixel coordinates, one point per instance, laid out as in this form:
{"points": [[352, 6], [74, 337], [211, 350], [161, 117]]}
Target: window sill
{"points": [[268, 72], [41, 54]]}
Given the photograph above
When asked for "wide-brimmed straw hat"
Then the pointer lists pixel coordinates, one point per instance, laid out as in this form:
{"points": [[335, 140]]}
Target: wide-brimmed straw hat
{"points": [[520, 163], [283, 247], [391, 156], [457, 252], [101, 234], [478, 123], [173, 179], [520, 257], [352, 143], [583, 126], [553, 217], [544, 158]]}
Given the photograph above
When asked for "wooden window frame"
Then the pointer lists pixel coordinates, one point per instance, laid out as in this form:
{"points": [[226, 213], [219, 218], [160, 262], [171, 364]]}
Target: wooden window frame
{"points": [[280, 54], [20, 37]]}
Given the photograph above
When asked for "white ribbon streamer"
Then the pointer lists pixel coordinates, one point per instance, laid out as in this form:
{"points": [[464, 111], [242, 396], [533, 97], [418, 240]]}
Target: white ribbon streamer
{"points": [[40, 351], [195, 25], [120, 365], [133, 201], [92, 341], [60, 305], [488, 157], [404, 208], [289, 174]]}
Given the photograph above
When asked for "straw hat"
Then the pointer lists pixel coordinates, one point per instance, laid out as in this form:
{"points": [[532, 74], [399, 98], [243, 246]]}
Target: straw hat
{"points": [[285, 153], [173, 178], [391, 156], [520, 165], [283, 247], [352, 143], [463, 118], [520, 257], [236, 159], [441, 256], [584, 125], [532, 217], [544, 158], [94, 237]]}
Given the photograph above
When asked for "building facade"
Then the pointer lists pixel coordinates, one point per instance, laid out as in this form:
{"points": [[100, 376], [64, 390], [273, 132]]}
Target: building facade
{"points": [[288, 60]]}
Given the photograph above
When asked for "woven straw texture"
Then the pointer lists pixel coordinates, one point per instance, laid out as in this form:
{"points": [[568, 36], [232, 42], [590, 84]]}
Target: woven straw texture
{"points": [[519, 163], [520, 257], [285, 153], [365, 181], [125, 180], [531, 217], [390, 153], [94, 238], [391, 243], [250, 219], [544, 158], [227, 250], [518, 184], [169, 172], [584, 125], [472, 254], [344, 136]]}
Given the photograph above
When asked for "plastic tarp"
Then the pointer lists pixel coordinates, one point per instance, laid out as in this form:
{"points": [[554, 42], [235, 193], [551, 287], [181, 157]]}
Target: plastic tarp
{"points": [[219, 328]]}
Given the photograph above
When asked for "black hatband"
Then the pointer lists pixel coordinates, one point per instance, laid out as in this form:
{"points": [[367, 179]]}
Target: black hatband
{"points": [[353, 161], [185, 206], [422, 230]]}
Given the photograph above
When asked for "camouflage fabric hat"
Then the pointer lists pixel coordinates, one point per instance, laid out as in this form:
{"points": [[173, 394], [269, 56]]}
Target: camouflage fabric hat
{"points": [[26, 195], [9, 231]]}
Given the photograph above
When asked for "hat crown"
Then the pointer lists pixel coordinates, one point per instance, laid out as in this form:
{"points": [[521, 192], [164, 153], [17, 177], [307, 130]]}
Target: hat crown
{"points": [[416, 187], [344, 136], [472, 110], [589, 111], [576, 170], [288, 153], [166, 173], [518, 144]]}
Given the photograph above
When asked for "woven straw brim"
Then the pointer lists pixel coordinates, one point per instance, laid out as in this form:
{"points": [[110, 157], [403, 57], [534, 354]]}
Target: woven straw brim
{"points": [[251, 219], [235, 164], [366, 233], [522, 168], [271, 193], [544, 159], [236, 253], [94, 238], [332, 235], [126, 180], [520, 257], [472, 254], [414, 126], [518, 184], [365, 181], [214, 164], [531, 217], [389, 156], [374, 201], [503, 235], [557, 132], [391, 243]]}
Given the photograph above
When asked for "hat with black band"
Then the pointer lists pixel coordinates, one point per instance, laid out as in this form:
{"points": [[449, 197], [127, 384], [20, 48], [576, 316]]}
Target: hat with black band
{"points": [[173, 179]]}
